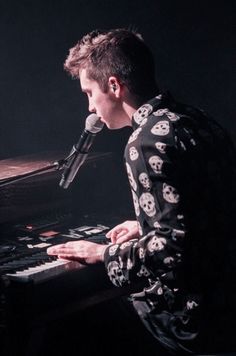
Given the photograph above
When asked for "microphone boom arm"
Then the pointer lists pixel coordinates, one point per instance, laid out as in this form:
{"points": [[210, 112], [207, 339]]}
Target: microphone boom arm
{"points": [[55, 166]]}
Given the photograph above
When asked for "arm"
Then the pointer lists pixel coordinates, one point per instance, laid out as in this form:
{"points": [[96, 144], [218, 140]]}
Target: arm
{"points": [[158, 207]]}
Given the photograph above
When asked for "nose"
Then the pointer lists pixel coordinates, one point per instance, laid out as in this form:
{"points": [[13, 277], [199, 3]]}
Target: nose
{"points": [[91, 107]]}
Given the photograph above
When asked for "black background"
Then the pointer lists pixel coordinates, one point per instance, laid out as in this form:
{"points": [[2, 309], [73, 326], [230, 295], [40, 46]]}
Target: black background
{"points": [[42, 109]]}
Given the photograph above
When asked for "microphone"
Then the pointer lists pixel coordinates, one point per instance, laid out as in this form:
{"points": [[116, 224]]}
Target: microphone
{"points": [[79, 152]]}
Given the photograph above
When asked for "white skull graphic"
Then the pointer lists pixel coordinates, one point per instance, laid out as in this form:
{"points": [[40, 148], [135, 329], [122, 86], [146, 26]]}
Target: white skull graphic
{"points": [[115, 273], [143, 271], [129, 264], [125, 244], [169, 260], [156, 163], [153, 288], [170, 194], [136, 204], [160, 112], [144, 180], [161, 146], [156, 244], [172, 116], [177, 234], [191, 304], [161, 128], [147, 203], [156, 224], [131, 177], [133, 153], [134, 135], [142, 113], [141, 253], [143, 122], [113, 249]]}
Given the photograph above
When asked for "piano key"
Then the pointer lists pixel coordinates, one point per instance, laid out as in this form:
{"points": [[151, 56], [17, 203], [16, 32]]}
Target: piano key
{"points": [[44, 271]]}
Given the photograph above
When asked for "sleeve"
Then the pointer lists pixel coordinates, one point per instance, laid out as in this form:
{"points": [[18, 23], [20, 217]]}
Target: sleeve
{"points": [[152, 161]]}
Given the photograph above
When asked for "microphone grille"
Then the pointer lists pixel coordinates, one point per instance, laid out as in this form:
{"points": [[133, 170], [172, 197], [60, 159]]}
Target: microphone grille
{"points": [[93, 124]]}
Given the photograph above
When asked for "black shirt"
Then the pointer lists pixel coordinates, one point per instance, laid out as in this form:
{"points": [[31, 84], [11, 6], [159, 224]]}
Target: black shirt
{"points": [[180, 168]]}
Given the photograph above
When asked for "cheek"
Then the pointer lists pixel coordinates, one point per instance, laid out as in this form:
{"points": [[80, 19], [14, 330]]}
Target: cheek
{"points": [[100, 101]]}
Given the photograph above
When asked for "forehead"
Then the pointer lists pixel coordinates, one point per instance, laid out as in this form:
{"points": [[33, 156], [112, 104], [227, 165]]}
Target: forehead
{"points": [[85, 82]]}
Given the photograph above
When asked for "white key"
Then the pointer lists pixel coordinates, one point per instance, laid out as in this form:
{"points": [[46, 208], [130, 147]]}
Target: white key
{"points": [[43, 272]]}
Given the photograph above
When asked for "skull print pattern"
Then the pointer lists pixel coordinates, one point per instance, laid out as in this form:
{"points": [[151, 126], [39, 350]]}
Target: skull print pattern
{"points": [[146, 157], [159, 163]]}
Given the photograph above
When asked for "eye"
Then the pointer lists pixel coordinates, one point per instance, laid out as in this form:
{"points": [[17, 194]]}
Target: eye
{"points": [[87, 92]]}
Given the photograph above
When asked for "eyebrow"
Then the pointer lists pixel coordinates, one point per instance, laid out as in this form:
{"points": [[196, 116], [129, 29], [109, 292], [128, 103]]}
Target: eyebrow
{"points": [[84, 90]]}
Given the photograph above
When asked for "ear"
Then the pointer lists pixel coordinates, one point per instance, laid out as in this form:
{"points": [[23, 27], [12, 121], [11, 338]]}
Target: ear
{"points": [[114, 86]]}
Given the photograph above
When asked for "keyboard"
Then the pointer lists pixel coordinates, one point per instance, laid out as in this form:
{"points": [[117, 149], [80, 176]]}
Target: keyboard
{"points": [[41, 272], [28, 260]]}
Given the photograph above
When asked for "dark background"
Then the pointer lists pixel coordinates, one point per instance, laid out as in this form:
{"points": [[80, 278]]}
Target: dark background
{"points": [[42, 109]]}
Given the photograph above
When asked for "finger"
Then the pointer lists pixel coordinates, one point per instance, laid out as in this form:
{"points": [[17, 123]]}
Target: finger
{"points": [[122, 239], [72, 258], [111, 235], [57, 250], [118, 234], [114, 236], [117, 229], [65, 256], [122, 233], [52, 251], [113, 231], [108, 234], [125, 237]]}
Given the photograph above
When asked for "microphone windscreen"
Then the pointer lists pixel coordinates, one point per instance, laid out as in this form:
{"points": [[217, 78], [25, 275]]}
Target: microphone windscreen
{"points": [[93, 124]]}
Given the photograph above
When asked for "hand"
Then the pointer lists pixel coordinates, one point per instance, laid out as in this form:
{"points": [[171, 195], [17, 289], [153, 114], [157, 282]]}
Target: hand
{"points": [[124, 232], [82, 251]]}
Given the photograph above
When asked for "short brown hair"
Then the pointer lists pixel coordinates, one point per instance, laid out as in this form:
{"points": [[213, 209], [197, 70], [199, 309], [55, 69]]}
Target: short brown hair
{"points": [[119, 52]]}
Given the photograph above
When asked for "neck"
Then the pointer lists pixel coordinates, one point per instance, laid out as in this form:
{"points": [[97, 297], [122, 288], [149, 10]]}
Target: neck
{"points": [[130, 105]]}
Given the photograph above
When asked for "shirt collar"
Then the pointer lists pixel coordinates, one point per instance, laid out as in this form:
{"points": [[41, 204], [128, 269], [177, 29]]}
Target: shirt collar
{"points": [[148, 108]]}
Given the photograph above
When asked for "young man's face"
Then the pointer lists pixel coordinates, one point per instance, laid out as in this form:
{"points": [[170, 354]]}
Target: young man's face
{"points": [[106, 105]]}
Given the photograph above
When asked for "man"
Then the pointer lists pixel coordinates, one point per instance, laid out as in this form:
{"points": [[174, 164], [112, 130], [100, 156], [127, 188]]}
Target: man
{"points": [[180, 168]]}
